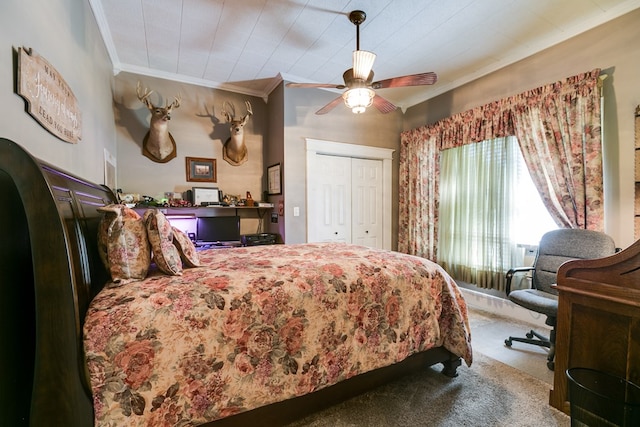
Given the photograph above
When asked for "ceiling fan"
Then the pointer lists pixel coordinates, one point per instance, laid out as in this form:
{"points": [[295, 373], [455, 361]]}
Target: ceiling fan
{"points": [[359, 83]]}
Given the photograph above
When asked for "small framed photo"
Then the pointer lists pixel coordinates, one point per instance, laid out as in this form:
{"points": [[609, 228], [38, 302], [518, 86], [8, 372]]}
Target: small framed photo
{"points": [[203, 196], [274, 178], [201, 170]]}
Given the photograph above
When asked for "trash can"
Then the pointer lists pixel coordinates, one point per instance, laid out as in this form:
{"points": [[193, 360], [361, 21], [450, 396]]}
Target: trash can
{"points": [[600, 399]]}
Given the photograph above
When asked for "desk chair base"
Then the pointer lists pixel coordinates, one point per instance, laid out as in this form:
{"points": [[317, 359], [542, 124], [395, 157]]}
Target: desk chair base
{"points": [[539, 340]]}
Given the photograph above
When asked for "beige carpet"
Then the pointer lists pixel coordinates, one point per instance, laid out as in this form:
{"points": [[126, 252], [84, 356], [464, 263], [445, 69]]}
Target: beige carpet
{"points": [[489, 393]]}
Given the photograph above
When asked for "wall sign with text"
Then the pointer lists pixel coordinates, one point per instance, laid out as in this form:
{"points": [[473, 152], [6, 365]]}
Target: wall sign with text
{"points": [[50, 101]]}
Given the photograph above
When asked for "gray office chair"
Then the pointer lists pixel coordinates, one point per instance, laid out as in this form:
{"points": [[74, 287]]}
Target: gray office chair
{"points": [[555, 248]]}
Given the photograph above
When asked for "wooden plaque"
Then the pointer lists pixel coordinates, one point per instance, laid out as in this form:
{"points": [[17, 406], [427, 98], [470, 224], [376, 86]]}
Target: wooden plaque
{"points": [[50, 101]]}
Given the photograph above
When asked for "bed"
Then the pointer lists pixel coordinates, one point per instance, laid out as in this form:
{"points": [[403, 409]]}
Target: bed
{"points": [[258, 336]]}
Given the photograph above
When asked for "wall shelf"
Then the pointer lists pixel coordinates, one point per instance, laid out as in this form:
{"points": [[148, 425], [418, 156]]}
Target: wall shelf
{"points": [[200, 211], [252, 217]]}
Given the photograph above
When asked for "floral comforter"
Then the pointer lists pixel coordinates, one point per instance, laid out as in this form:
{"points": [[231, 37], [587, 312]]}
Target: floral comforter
{"points": [[262, 324]]}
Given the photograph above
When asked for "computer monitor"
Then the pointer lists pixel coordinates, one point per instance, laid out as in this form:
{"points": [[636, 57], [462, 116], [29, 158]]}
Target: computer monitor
{"points": [[215, 229]]}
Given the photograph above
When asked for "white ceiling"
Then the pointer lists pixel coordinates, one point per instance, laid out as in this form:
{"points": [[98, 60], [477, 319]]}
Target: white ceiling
{"points": [[249, 46]]}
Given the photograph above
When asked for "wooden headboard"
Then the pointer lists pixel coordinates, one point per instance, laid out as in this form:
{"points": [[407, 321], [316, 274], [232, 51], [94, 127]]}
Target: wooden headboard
{"points": [[49, 272]]}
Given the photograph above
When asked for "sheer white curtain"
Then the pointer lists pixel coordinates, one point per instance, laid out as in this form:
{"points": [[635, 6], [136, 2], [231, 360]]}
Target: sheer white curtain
{"points": [[478, 185]]}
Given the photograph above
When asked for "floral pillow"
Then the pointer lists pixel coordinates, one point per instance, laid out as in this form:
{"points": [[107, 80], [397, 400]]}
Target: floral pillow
{"points": [[186, 248], [160, 232], [123, 244]]}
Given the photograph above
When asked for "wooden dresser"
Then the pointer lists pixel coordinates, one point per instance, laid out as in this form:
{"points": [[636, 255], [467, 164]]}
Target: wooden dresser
{"points": [[598, 319]]}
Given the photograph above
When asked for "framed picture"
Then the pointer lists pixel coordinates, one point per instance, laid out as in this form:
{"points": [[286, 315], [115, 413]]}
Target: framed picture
{"points": [[201, 170], [274, 175], [203, 196]]}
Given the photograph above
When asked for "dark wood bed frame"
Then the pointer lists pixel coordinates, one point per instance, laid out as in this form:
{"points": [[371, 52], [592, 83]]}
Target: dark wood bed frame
{"points": [[49, 272]]}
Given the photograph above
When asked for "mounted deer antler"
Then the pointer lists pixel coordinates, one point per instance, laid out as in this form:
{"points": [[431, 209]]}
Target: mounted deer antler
{"points": [[158, 144], [234, 150]]}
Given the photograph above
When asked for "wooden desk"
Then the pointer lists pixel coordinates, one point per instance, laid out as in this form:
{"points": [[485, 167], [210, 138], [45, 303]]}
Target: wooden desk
{"points": [[598, 319]]}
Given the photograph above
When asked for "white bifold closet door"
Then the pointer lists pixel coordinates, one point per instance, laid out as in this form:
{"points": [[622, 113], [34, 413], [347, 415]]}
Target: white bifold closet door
{"points": [[345, 200]]}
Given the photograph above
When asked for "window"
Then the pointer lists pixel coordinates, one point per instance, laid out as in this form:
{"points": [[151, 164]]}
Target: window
{"points": [[532, 217], [488, 208]]}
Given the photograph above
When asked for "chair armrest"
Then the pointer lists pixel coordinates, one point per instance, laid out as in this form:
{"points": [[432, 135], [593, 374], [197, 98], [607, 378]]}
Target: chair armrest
{"points": [[512, 272]]}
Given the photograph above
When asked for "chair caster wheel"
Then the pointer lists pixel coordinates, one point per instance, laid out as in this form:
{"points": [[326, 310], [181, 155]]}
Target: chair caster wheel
{"points": [[507, 342], [529, 335], [551, 365]]}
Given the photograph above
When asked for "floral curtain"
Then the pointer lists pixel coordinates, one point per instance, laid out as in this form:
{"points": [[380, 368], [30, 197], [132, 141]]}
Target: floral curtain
{"points": [[418, 198], [558, 128]]}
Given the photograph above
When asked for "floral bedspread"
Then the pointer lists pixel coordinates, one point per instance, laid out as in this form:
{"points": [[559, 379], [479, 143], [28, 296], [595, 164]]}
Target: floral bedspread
{"points": [[262, 324]]}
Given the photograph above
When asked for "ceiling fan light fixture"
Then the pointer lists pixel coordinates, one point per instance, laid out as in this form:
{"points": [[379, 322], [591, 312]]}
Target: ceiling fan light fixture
{"points": [[362, 63], [358, 80], [358, 99]]}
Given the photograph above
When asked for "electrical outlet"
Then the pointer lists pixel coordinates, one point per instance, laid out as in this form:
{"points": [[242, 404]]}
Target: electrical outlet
{"points": [[274, 218], [296, 211]]}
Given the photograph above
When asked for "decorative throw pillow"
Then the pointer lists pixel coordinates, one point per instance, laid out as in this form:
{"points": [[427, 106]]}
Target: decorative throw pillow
{"points": [[165, 254], [123, 244], [186, 248]]}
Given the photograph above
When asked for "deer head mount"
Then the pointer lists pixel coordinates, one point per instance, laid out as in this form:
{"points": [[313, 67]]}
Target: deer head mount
{"points": [[234, 150], [158, 144]]}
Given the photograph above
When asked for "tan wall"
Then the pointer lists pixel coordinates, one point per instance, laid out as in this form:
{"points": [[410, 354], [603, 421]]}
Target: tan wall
{"points": [[65, 33], [340, 125], [612, 47], [274, 153], [275, 134], [199, 129]]}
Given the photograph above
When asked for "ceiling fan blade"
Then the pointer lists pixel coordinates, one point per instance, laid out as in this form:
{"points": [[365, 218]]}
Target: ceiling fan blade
{"points": [[410, 80], [383, 105], [330, 106], [320, 85]]}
